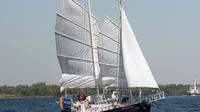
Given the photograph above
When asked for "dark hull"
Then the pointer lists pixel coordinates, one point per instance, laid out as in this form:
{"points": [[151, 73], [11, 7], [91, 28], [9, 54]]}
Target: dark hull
{"points": [[139, 107], [193, 94]]}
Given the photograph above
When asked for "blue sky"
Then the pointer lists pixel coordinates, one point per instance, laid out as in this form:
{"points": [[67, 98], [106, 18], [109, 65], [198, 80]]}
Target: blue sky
{"points": [[167, 31]]}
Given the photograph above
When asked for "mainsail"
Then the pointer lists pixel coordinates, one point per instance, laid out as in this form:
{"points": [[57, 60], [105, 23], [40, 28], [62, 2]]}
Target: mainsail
{"points": [[76, 47], [137, 71]]}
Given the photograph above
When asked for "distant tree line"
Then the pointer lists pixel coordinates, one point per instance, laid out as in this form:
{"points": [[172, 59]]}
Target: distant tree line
{"points": [[41, 89], [175, 89], [38, 89]]}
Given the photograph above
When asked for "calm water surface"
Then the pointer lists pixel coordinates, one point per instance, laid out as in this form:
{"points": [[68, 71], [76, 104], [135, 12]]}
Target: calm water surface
{"points": [[171, 104]]}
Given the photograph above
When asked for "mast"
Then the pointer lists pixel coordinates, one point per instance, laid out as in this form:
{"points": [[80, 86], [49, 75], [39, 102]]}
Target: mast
{"points": [[120, 39], [93, 48], [131, 95], [65, 92]]}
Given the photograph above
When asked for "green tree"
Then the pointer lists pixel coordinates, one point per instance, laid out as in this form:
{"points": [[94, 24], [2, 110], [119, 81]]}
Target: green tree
{"points": [[23, 90]]}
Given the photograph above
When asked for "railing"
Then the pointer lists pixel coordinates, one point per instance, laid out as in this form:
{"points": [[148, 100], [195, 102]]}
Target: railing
{"points": [[104, 105], [96, 107], [107, 104], [155, 97]]}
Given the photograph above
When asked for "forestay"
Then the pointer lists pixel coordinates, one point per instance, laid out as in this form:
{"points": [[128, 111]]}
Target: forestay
{"points": [[73, 40], [136, 69]]}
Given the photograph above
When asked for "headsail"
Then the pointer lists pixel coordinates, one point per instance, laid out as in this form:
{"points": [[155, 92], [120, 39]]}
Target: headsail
{"points": [[136, 69], [73, 40]]}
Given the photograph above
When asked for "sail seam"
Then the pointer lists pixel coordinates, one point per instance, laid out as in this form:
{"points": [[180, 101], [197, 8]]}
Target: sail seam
{"points": [[75, 23], [71, 21], [108, 50], [74, 58], [72, 38], [109, 37], [108, 64]]}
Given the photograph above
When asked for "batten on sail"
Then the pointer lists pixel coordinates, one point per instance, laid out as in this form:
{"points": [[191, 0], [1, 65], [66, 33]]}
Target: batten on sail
{"points": [[76, 47], [135, 66]]}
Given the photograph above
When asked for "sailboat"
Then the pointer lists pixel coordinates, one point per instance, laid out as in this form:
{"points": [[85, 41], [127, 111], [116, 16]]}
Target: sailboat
{"points": [[109, 60], [194, 90]]}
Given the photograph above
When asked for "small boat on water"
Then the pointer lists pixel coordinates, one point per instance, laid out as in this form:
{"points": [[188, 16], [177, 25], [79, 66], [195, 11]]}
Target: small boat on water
{"points": [[194, 89], [109, 60]]}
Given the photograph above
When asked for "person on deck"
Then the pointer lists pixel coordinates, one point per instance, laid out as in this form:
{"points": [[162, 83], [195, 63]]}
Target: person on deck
{"points": [[115, 99], [114, 95], [88, 102]]}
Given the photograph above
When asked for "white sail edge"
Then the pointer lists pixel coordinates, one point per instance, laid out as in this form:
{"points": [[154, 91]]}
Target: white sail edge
{"points": [[73, 3], [84, 9], [136, 69], [112, 21]]}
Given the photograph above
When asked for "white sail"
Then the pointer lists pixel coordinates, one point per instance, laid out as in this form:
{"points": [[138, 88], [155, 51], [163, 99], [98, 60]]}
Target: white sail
{"points": [[108, 49], [137, 71], [80, 81], [76, 48], [76, 81]]}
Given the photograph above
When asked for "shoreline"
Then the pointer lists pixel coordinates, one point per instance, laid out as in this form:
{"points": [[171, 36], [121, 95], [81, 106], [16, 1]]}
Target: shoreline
{"points": [[7, 96]]}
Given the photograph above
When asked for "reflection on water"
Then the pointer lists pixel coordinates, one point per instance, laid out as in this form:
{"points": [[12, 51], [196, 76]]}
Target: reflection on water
{"points": [[171, 104]]}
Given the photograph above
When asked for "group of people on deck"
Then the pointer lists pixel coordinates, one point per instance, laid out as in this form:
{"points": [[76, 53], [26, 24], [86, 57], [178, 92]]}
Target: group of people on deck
{"points": [[87, 101]]}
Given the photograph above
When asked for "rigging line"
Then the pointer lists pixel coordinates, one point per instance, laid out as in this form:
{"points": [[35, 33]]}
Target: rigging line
{"points": [[93, 55], [112, 22], [120, 41]]}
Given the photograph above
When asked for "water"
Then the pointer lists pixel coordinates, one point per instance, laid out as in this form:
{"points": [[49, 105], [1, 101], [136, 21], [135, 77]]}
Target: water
{"points": [[178, 104], [29, 105], [171, 104]]}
